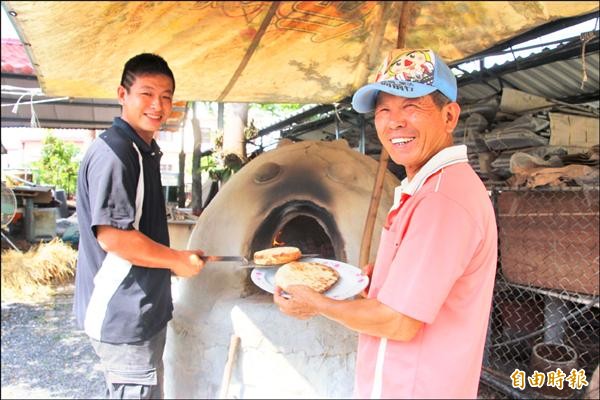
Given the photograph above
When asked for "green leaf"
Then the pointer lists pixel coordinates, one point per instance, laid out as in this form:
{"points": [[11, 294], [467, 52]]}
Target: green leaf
{"points": [[57, 166]]}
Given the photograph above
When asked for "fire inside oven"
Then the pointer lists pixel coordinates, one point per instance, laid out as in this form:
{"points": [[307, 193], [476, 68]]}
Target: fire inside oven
{"points": [[302, 224]]}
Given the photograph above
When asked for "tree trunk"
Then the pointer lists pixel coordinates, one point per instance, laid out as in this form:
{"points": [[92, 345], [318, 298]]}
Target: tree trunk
{"points": [[236, 119], [220, 116], [181, 179], [181, 176], [196, 203]]}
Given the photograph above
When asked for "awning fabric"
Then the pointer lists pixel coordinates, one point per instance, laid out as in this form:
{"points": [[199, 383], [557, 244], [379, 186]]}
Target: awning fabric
{"points": [[257, 51]]}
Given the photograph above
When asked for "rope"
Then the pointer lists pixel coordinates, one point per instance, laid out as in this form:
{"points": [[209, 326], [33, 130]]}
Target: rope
{"points": [[34, 122], [585, 37]]}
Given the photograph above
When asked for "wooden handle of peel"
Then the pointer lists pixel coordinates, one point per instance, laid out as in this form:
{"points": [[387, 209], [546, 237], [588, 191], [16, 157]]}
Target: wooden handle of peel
{"points": [[233, 345]]}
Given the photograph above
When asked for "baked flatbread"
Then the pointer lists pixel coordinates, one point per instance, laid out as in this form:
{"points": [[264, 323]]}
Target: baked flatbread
{"points": [[317, 276], [277, 255]]}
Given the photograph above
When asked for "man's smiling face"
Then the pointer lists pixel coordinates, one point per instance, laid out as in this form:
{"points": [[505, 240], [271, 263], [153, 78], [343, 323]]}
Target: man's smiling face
{"points": [[413, 130], [147, 103]]}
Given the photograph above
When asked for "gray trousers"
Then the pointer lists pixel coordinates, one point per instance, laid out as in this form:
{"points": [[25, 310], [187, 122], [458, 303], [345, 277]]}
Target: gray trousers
{"points": [[133, 370]]}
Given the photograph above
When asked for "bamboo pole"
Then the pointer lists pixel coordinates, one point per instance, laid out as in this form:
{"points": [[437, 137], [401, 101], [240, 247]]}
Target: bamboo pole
{"points": [[365, 247]]}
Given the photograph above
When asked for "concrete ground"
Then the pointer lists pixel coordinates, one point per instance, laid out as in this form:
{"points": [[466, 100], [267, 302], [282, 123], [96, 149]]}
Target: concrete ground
{"points": [[44, 356]]}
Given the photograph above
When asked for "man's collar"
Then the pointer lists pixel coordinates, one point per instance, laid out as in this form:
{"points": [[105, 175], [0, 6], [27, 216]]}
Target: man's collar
{"points": [[131, 134], [447, 156]]}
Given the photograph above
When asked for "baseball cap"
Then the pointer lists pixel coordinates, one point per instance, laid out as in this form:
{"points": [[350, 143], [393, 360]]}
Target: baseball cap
{"points": [[407, 73]]}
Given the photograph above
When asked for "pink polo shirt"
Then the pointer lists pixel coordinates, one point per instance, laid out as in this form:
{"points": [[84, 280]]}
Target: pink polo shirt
{"points": [[436, 263]]}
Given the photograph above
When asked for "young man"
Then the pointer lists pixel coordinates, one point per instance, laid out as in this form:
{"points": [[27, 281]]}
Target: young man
{"points": [[423, 324], [123, 280]]}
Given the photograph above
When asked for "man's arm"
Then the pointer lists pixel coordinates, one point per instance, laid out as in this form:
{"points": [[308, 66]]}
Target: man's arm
{"points": [[139, 249], [363, 315]]}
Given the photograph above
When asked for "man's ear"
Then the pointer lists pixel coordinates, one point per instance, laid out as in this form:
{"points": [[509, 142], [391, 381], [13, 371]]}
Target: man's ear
{"points": [[451, 115], [121, 93]]}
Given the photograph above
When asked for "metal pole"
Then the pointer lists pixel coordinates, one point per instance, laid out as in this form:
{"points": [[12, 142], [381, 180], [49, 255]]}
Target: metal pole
{"points": [[362, 142], [337, 123], [29, 219], [555, 312]]}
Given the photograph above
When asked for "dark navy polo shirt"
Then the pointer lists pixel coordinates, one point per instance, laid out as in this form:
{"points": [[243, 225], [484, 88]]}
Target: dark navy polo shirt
{"points": [[117, 302]]}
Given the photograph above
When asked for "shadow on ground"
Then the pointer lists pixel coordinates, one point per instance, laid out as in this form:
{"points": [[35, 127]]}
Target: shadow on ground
{"points": [[44, 355]]}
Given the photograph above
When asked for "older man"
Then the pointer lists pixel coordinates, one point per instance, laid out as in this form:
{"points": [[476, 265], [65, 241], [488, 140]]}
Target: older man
{"points": [[423, 322]]}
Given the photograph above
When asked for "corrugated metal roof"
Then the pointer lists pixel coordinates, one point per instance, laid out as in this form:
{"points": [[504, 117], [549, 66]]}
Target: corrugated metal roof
{"points": [[558, 80]]}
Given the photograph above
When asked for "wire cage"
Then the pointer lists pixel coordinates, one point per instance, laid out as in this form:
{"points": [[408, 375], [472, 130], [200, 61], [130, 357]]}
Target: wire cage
{"points": [[545, 312]]}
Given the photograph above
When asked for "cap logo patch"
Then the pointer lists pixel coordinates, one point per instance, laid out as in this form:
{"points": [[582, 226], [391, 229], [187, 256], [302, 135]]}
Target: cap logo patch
{"points": [[407, 86], [412, 66]]}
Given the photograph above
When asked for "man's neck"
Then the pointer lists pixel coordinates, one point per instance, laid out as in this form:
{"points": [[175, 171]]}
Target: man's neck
{"points": [[144, 135], [411, 171]]}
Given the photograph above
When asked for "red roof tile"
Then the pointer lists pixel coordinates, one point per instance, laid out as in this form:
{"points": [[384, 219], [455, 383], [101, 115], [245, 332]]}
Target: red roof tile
{"points": [[14, 58]]}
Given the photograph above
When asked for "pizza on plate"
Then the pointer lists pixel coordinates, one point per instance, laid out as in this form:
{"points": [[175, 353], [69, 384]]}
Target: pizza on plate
{"points": [[317, 276]]}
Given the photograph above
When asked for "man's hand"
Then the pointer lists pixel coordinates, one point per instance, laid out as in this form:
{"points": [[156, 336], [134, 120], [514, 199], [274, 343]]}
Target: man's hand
{"points": [[188, 263], [361, 315], [298, 301]]}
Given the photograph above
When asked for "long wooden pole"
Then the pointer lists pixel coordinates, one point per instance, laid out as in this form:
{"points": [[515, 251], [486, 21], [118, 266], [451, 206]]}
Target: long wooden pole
{"points": [[365, 247], [234, 343]]}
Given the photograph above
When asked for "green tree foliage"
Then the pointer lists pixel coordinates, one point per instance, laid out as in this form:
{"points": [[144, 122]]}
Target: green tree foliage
{"points": [[277, 109], [57, 166], [219, 167]]}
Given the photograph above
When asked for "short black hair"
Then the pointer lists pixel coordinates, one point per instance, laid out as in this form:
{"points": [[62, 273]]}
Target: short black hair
{"points": [[440, 99], [142, 64]]}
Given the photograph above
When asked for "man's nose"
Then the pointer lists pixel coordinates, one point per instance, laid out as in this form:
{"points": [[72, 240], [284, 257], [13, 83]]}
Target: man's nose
{"points": [[397, 121], [156, 103]]}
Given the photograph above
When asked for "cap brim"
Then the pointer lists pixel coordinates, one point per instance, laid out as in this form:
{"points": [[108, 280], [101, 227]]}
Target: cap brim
{"points": [[363, 100]]}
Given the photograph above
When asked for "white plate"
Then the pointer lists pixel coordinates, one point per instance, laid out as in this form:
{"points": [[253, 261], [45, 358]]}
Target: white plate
{"points": [[352, 281]]}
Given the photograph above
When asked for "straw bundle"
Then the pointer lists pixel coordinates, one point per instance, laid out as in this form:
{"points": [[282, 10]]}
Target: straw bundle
{"points": [[31, 276]]}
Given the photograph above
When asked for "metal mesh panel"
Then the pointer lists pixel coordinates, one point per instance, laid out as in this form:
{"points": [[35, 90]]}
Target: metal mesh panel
{"points": [[545, 311]]}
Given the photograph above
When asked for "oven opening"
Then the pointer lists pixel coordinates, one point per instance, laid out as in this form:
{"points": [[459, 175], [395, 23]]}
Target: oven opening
{"points": [[301, 224], [306, 234]]}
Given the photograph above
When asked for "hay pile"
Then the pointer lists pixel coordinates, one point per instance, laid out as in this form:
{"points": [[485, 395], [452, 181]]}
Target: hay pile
{"points": [[32, 276]]}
